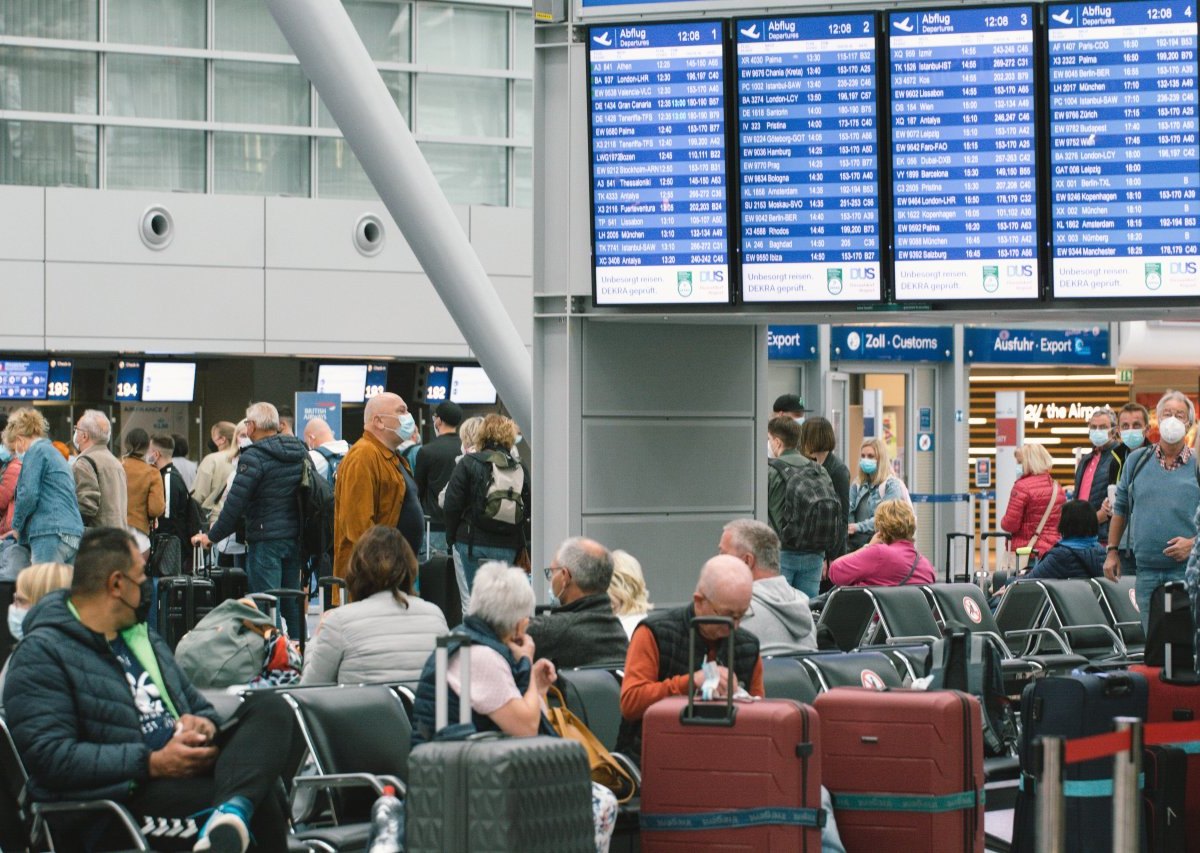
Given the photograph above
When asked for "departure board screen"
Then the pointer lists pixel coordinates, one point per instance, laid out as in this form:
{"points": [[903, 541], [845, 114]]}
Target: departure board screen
{"points": [[964, 164], [1123, 150], [808, 138], [660, 217], [24, 380]]}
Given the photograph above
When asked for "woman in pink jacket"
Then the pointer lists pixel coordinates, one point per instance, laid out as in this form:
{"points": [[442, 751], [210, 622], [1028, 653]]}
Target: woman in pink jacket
{"points": [[891, 557], [1034, 497]]}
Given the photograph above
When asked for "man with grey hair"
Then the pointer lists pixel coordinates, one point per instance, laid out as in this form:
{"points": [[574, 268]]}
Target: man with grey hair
{"points": [[1101, 466], [779, 614], [264, 493], [580, 629], [100, 485], [1154, 513]]}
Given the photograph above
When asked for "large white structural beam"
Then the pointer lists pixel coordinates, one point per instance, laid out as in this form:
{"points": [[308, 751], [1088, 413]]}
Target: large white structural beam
{"points": [[335, 60]]}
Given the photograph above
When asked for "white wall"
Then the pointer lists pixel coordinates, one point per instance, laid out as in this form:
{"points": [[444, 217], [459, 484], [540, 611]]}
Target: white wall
{"points": [[242, 274]]}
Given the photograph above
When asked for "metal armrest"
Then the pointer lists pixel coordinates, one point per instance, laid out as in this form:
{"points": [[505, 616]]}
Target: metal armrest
{"points": [[915, 640], [629, 767], [352, 780], [1049, 632], [1118, 643], [41, 810]]}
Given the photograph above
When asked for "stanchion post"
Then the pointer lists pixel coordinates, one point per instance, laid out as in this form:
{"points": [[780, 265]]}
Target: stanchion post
{"points": [[985, 506], [974, 536], [1051, 803], [1127, 800]]}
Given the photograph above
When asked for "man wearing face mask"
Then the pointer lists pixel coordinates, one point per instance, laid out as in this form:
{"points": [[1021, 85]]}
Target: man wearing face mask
{"points": [[1155, 507], [100, 484], [791, 405], [264, 493], [581, 629], [1101, 466], [371, 484], [99, 709]]}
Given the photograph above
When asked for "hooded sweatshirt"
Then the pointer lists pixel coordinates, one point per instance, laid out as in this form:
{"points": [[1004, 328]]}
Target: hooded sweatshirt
{"points": [[780, 617]]}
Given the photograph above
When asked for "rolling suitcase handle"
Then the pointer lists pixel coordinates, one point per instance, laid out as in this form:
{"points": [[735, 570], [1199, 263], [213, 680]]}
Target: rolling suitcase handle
{"points": [[441, 690], [708, 714], [326, 585], [201, 561], [272, 606], [950, 537], [299, 595]]}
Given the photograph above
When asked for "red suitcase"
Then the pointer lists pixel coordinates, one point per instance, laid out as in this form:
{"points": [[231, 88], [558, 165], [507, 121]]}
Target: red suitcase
{"points": [[730, 775], [1172, 702], [905, 768]]}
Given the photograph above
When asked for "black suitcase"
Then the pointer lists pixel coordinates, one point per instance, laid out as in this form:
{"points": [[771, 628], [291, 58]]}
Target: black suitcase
{"points": [[495, 793], [228, 582], [1170, 640], [438, 584], [1073, 706], [1165, 769], [182, 602]]}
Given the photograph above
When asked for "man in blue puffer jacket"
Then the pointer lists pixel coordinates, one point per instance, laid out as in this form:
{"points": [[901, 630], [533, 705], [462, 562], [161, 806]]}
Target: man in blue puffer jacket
{"points": [[264, 492], [99, 710]]}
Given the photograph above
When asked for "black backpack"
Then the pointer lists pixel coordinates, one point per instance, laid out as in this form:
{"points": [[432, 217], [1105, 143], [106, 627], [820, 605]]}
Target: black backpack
{"points": [[812, 514], [971, 663], [314, 499]]}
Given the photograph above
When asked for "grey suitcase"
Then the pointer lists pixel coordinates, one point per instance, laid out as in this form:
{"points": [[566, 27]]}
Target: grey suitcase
{"points": [[488, 793]]}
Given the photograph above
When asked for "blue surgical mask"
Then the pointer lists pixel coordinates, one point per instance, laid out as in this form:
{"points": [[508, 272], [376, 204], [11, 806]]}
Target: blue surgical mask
{"points": [[16, 619], [5, 453], [1099, 437], [1020, 470], [868, 466], [1133, 438], [406, 427]]}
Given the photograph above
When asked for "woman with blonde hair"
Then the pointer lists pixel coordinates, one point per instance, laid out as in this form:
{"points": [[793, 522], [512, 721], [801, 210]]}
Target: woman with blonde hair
{"points": [[627, 591], [46, 519], [231, 552], [32, 585], [873, 483], [891, 558], [1035, 503]]}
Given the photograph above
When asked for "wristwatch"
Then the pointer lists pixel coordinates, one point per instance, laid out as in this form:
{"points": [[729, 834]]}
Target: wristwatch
{"points": [[1113, 548]]}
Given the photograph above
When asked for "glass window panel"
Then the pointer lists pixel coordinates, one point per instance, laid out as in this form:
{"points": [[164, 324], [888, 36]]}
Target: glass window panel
{"points": [[145, 158], [523, 177], [50, 81], [384, 28], [260, 164], [339, 174], [166, 87], [261, 93], [462, 106], [398, 84], [522, 40], [454, 36], [47, 155], [163, 23], [51, 19], [247, 25], [522, 109], [470, 174]]}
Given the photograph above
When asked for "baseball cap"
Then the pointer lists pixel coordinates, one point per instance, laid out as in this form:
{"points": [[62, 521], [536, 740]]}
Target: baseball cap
{"points": [[789, 403], [451, 414]]}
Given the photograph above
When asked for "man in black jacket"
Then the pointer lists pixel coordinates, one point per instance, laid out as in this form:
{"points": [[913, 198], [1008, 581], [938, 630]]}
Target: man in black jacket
{"points": [[175, 519], [100, 710], [264, 492], [435, 464], [581, 629]]}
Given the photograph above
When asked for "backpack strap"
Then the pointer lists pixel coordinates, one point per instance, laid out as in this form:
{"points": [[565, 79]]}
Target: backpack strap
{"points": [[1146, 452], [1045, 515], [913, 568]]}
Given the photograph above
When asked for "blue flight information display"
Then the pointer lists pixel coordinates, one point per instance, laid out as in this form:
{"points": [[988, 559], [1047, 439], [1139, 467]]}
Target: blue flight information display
{"points": [[660, 218], [58, 385], [808, 135], [964, 155], [129, 381], [24, 380], [1123, 149]]}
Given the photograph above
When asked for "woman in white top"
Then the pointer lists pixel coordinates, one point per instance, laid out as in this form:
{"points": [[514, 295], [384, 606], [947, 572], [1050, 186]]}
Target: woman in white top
{"points": [[627, 591], [387, 633]]}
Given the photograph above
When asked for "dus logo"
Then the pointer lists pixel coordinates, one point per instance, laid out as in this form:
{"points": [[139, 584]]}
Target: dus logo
{"points": [[864, 274], [1182, 268], [1019, 270], [712, 275]]}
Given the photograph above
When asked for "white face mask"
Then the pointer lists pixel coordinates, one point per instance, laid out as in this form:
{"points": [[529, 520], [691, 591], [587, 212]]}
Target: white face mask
{"points": [[16, 618], [244, 442], [1172, 430], [770, 449]]}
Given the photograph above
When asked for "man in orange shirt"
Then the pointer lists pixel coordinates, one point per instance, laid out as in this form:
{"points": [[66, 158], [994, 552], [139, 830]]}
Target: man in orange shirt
{"points": [[369, 489], [656, 665]]}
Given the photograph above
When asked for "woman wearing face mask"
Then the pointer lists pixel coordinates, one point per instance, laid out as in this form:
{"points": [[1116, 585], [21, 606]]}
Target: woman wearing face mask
{"points": [[873, 483], [147, 499], [32, 583], [229, 551], [1035, 503], [468, 434], [1155, 507], [46, 520]]}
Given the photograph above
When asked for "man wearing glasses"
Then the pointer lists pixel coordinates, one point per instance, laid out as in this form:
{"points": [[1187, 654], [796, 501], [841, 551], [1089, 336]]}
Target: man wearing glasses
{"points": [[580, 629], [656, 665]]}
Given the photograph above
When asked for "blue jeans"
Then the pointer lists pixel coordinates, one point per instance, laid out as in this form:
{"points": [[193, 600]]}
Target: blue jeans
{"points": [[275, 564], [53, 548], [477, 556], [1148, 580], [802, 569]]}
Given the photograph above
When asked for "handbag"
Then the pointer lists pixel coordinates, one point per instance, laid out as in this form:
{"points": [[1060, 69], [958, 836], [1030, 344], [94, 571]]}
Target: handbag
{"points": [[1032, 546], [606, 770]]}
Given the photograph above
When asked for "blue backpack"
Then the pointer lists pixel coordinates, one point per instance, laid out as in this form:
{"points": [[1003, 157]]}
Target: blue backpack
{"points": [[334, 460]]}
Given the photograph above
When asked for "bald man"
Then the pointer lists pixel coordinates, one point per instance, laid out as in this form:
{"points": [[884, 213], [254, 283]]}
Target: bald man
{"points": [[656, 665], [325, 451], [581, 629], [370, 484]]}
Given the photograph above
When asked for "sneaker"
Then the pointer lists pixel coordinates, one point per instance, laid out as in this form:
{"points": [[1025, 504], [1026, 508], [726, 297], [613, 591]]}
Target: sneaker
{"points": [[226, 830]]}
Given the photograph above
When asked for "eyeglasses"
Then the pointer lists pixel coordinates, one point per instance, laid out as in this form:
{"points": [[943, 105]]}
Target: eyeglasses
{"points": [[549, 571], [736, 617]]}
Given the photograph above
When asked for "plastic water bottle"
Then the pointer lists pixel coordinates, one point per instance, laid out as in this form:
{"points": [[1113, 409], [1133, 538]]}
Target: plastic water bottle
{"points": [[387, 824]]}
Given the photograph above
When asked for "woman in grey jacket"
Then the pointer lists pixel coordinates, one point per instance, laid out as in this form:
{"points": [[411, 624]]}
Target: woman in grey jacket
{"points": [[387, 633]]}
